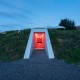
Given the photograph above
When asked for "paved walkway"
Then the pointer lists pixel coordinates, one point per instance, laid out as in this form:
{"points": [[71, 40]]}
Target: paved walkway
{"points": [[39, 67]]}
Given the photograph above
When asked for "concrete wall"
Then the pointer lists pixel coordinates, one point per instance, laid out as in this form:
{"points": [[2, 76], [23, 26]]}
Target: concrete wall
{"points": [[48, 48], [30, 45]]}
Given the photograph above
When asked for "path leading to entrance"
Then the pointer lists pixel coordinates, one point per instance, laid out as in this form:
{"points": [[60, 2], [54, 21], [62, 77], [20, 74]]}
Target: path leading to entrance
{"points": [[39, 67], [39, 55]]}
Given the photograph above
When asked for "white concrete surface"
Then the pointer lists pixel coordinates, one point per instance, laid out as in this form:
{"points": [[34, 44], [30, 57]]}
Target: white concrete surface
{"points": [[30, 44]]}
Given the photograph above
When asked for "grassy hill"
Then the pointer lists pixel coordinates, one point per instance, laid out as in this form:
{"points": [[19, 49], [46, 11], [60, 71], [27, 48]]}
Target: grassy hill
{"points": [[66, 44], [13, 44]]}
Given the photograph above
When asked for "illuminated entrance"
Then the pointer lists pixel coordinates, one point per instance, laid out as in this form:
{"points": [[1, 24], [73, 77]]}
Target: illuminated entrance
{"points": [[39, 40]]}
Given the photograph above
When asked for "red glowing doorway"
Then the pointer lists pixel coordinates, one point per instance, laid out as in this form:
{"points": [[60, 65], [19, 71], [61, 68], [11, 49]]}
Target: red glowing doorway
{"points": [[39, 40]]}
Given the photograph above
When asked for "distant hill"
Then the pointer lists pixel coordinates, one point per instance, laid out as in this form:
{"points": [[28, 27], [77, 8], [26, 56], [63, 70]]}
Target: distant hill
{"points": [[78, 27], [55, 27]]}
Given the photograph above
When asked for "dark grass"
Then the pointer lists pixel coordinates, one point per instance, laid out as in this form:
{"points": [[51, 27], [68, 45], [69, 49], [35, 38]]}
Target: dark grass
{"points": [[13, 44], [66, 44]]}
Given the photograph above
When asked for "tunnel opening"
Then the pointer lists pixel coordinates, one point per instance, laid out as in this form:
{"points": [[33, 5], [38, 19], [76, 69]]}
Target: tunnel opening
{"points": [[39, 40]]}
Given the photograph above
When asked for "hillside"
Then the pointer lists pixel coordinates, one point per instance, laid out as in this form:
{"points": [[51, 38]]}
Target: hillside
{"points": [[13, 44], [66, 44]]}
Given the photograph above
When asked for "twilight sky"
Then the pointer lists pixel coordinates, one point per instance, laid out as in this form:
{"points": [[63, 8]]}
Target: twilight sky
{"points": [[19, 14]]}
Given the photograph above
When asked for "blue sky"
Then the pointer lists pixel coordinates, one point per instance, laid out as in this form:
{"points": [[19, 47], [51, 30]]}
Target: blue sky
{"points": [[19, 14]]}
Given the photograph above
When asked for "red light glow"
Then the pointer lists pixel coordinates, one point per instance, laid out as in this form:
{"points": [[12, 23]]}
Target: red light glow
{"points": [[39, 40]]}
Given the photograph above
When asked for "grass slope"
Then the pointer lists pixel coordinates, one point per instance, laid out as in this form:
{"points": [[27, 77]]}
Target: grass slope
{"points": [[66, 44], [13, 44]]}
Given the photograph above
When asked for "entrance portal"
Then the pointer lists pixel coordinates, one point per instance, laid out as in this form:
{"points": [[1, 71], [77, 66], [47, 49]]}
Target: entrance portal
{"points": [[39, 40]]}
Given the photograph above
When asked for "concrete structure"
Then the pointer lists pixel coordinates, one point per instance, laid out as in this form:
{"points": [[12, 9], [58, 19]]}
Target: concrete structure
{"points": [[42, 42]]}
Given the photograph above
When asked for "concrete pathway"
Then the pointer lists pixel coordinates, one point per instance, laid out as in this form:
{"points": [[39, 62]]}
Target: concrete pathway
{"points": [[39, 67]]}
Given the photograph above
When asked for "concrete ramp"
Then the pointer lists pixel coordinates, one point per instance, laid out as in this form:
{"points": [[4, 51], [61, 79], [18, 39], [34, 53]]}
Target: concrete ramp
{"points": [[39, 54]]}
